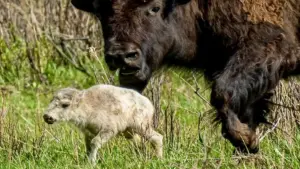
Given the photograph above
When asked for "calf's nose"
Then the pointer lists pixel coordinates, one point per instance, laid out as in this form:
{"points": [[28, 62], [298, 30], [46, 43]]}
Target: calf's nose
{"points": [[48, 119]]}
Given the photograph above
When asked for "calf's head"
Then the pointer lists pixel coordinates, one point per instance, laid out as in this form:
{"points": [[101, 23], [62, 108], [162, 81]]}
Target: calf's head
{"points": [[59, 108], [137, 35]]}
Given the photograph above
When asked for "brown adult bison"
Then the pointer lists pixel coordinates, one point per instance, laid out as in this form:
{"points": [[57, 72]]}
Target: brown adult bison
{"points": [[243, 46]]}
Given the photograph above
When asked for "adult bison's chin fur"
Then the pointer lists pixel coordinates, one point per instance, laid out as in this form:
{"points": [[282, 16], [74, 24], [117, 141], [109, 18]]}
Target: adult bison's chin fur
{"points": [[244, 47], [134, 82], [135, 78]]}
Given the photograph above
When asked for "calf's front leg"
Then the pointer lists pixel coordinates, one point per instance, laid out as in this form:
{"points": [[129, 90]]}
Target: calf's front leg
{"points": [[94, 143]]}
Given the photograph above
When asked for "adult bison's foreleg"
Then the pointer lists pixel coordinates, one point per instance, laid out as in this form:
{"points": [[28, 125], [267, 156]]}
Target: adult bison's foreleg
{"points": [[238, 95]]}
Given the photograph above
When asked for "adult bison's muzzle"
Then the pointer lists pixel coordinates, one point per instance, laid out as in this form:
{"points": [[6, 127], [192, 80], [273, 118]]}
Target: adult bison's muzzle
{"points": [[133, 67]]}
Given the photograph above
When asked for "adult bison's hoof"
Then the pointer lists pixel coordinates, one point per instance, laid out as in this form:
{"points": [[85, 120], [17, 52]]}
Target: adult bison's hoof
{"points": [[245, 150], [240, 134]]}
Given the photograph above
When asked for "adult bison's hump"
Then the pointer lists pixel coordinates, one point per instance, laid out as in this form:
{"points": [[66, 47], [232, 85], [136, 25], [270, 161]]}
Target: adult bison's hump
{"points": [[265, 10], [277, 12]]}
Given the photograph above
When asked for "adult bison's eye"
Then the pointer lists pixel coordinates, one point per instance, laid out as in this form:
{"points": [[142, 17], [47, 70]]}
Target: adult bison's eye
{"points": [[155, 9]]}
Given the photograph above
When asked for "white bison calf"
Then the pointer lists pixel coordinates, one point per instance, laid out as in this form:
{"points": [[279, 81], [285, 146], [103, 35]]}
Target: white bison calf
{"points": [[102, 112]]}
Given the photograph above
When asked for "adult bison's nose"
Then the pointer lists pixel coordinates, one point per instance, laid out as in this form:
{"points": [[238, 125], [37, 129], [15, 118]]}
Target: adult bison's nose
{"points": [[125, 55]]}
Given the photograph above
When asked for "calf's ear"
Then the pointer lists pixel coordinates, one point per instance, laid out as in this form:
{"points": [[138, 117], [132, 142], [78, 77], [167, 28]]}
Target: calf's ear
{"points": [[84, 5]]}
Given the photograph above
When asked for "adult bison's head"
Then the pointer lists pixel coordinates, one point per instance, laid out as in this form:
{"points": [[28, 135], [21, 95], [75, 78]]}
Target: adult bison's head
{"points": [[137, 35]]}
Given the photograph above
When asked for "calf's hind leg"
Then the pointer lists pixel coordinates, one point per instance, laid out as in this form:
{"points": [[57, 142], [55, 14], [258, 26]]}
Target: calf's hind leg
{"points": [[155, 139], [133, 137]]}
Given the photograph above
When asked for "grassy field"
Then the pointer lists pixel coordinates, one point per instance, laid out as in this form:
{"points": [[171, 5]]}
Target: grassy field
{"points": [[40, 57]]}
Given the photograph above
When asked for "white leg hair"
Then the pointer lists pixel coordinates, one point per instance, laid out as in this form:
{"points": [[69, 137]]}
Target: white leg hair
{"points": [[93, 144], [155, 139]]}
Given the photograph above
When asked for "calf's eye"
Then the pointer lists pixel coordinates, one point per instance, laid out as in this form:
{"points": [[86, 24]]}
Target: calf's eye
{"points": [[64, 105]]}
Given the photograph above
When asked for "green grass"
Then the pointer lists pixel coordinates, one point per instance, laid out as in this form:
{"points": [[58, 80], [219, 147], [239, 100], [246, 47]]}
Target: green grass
{"points": [[27, 142]]}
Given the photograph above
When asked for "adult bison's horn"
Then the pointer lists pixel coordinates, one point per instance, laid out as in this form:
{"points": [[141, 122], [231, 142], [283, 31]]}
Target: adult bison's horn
{"points": [[84, 5]]}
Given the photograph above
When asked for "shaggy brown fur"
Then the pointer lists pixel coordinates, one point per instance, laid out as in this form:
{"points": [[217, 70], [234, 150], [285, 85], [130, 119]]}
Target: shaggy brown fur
{"points": [[264, 11], [243, 46]]}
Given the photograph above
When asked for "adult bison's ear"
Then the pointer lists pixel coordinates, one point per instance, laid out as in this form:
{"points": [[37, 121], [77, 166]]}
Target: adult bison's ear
{"points": [[85, 5], [181, 2], [171, 4]]}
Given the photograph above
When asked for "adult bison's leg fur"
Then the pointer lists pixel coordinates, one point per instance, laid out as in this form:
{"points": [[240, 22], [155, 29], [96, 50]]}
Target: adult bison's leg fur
{"points": [[238, 117], [240, 134], [238, 94]]}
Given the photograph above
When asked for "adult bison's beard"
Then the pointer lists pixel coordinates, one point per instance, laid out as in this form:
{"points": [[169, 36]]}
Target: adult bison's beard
{"points": [[135, 79]]}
